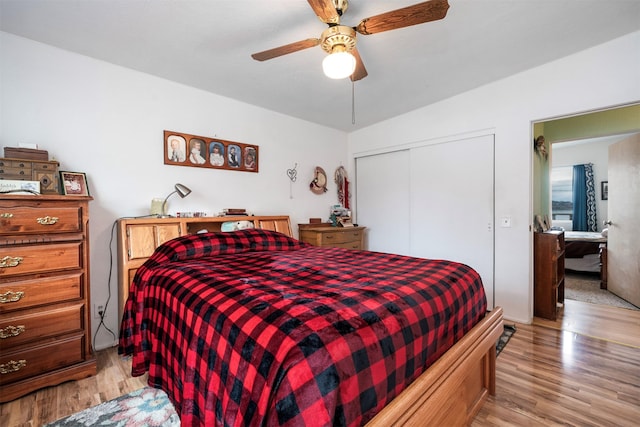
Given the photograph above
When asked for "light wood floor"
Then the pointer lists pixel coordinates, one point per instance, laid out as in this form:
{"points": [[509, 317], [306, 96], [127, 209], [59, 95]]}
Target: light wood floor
{"points": [[582, 370]]}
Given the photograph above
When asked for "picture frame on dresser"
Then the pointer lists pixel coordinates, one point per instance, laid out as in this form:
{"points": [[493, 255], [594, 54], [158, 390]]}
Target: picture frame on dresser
{"points": [[74, 183]]}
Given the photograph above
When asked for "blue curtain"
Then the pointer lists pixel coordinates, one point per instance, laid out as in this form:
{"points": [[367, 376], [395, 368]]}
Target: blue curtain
{"points": [[584, 199]]}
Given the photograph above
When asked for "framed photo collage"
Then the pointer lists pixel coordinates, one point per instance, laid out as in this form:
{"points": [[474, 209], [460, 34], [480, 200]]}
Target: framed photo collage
{"points": [[182, 149]]}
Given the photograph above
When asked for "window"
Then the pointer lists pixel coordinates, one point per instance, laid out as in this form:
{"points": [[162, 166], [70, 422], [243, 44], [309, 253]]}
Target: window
{"points": [[562, 193]]}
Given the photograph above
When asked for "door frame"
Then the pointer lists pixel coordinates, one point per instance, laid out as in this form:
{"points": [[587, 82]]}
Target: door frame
{"points": [[616, 129]]}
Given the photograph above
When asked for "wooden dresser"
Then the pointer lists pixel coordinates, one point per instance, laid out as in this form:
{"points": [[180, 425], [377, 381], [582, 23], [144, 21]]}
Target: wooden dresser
{"points": [[326, 235], [548, 273], [44, 293], [139, 237]]}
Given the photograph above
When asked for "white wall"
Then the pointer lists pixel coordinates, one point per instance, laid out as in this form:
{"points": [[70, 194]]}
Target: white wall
{"points": [[108, 121], [602, 76]]}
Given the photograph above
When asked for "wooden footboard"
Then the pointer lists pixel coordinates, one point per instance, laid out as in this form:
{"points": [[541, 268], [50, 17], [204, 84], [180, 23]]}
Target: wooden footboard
{"points": [[454, 388]]}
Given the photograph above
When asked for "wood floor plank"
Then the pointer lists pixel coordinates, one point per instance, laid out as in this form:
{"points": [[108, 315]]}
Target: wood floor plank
{"points": [[547, 376], [598, 321], [582, 370]]}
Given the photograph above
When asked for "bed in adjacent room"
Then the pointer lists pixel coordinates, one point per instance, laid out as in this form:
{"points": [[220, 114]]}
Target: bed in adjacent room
{"points": [[253, 327], [585, 252]]}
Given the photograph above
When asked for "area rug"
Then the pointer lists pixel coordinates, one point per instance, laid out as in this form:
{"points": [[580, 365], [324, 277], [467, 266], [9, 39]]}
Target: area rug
{"points": [[145, 407], [586, 288], [508, 332], [150, 407]]}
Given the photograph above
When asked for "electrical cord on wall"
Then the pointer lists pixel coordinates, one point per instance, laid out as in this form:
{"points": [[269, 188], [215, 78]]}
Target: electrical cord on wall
{"points": [[102, 313]]}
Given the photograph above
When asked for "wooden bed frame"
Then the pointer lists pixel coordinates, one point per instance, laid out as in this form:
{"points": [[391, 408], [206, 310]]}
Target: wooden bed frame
{"points": [[449, 393], [452, 390]]}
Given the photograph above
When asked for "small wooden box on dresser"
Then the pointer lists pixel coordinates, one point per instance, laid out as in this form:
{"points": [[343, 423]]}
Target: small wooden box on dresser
{"points": [[44, 292], [325, 234], [548, 273], [43, 171]]}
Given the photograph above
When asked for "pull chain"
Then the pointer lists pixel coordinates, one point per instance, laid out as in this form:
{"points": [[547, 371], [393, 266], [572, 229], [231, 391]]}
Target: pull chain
{"points": [[353, 102]]}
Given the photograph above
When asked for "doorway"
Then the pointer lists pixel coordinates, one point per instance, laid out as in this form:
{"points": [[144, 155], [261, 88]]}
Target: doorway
{"points": [[612, 125]]}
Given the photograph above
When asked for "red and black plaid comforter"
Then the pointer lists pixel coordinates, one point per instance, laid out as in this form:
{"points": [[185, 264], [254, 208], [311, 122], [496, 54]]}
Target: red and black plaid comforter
{"points": [[255, 328]]}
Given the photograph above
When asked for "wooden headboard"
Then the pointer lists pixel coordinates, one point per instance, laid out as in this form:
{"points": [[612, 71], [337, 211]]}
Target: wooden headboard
{"points": [[139, 237]]}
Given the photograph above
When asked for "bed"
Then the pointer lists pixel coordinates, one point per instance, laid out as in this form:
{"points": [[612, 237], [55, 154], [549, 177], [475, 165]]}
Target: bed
{"points": [[585, 252], [253, 327]]}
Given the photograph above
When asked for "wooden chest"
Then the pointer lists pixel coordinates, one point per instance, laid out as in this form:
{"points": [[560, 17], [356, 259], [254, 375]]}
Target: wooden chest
{"points": [[45, 172], [44, 293], [327, 235]]}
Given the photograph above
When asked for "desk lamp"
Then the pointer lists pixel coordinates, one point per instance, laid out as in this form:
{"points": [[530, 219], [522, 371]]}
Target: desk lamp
{"points": [[182, 191]]}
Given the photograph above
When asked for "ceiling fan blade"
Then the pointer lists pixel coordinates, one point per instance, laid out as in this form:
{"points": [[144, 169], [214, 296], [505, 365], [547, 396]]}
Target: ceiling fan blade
{"points": [[286, 49], [405, 17], [360, 71], [325, 10]]}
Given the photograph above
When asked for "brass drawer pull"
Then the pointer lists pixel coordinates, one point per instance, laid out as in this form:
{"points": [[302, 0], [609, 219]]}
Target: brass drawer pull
{"points": [[10, 261], [6, 215], [12, 366], [11, 296], [11, 331], [47, 220], [329, 236]]}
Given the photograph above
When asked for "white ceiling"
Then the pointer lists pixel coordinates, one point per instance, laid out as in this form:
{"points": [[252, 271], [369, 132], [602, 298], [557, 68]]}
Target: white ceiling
{"points": [[207, 44]]}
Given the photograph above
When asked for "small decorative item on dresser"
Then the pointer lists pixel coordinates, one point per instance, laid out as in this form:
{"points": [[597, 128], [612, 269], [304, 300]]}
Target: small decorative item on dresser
{"points": [[26, 153], [45, 172], [74, 183]]}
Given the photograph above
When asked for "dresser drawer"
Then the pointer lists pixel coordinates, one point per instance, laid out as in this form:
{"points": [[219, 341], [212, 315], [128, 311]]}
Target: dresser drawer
{"points": [[37, 360], [38, 324], [15, 169], [346, 245], [40, 220], [337, 237], [22, 294], [32, 259]]}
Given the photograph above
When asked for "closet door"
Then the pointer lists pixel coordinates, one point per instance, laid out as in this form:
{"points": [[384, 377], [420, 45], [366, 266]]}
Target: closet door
{"points": [[382, 191], [432, 201], [452, 205]]}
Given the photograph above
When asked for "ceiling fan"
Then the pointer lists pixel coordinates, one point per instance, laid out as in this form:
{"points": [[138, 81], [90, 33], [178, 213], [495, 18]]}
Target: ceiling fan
{"points": [[339, 41]]}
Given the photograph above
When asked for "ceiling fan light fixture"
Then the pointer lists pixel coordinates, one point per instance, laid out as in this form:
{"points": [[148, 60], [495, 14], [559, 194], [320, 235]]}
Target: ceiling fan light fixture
{"points": [[339, 64]]}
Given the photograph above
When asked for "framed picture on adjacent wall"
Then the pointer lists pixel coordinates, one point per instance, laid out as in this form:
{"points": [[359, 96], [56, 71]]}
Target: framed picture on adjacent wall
{"points": [[74, 183], [604, 190]]}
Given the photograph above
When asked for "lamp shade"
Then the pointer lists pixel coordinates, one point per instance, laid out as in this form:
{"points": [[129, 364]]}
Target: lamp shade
{"points": [[182, 190], [339, 64]]}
